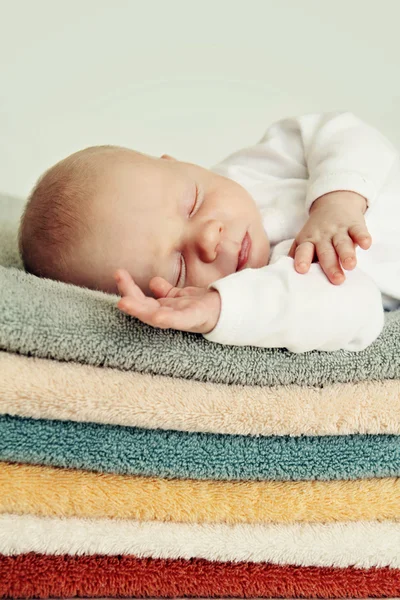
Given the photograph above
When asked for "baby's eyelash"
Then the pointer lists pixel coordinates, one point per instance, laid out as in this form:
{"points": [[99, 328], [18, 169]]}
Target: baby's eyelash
{"points": [[196, 202]]}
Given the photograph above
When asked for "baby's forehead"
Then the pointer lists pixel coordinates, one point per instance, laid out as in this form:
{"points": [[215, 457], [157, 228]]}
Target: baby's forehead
{"points": [[145, 183], [127, 165]]}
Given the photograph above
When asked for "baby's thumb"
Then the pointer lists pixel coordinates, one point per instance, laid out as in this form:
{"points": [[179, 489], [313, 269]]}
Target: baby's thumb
{"points": [[160, 287]]}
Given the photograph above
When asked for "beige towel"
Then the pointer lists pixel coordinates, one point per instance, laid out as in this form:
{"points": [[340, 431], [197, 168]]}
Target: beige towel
{"points": [[39, 388]]}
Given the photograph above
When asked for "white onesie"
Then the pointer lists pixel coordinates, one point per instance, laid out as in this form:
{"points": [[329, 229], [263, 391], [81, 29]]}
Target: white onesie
{"points": [[297, 161]]}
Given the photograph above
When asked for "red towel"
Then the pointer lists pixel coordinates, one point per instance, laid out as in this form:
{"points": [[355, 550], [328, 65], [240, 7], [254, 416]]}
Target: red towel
{"points": [[42, 576]]}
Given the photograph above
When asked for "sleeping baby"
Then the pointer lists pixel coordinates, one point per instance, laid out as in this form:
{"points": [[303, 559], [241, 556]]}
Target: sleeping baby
{"points": [[290, 243]]}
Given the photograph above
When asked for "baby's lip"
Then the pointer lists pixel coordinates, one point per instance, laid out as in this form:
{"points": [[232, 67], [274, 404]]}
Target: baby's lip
{"points": [[244, 252]]}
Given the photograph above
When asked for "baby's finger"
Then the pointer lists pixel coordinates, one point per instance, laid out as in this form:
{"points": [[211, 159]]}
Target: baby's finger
{"points": [[149, 312], [329, 262], [345, 249], [361, 236], [160, 287], [126, 285], [303, 257], [292, 249]]}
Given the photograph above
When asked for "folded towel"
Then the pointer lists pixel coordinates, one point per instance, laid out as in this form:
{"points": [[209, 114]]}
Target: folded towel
{"points": [[40, 576], [39, 388], [361, 544], [46, 491], [159, 453], [49, 319]]}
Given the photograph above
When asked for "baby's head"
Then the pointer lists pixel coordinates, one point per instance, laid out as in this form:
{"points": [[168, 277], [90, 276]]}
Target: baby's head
{"points": [[107, 207]]}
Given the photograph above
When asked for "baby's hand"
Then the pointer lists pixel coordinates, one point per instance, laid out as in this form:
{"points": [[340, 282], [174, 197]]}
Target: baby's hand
{"points": [[335, 227], [188, 309]]}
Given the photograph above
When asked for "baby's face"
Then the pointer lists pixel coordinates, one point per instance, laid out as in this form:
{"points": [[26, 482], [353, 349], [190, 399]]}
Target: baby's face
{"points": [[162, 217]]}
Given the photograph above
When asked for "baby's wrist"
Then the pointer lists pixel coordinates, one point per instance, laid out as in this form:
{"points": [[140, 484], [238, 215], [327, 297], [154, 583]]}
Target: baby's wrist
{"points": [[346, 197], [214, 309]]}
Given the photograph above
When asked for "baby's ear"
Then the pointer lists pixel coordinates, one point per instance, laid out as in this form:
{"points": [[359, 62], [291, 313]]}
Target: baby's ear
{"points": [[168, 157]]}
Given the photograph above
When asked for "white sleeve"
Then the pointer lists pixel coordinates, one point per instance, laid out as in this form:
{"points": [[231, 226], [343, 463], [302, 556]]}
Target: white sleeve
{"points": [[341, 152], [276, 307]]}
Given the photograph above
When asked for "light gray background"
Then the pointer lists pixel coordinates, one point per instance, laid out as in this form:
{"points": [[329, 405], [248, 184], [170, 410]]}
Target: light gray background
{"points": [[196, 79]]}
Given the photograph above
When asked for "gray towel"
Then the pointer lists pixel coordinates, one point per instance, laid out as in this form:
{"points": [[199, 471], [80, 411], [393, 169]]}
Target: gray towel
{"points": [[52, 320]]}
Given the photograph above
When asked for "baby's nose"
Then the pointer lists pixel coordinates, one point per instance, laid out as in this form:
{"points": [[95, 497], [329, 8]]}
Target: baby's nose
{"points": [[209, 239]]}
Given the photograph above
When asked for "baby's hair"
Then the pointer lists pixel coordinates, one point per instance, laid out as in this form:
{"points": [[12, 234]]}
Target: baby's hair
{"points": [[55, 216]]}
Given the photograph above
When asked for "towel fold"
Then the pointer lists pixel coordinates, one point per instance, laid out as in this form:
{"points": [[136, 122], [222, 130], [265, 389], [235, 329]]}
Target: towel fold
{"points": [[39, 576], [38, 388], [361, 544], [46, 491], [159, 453], [50, 319]]}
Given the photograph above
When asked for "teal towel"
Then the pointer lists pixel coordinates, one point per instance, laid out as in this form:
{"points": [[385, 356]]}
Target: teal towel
{"points": [[175, 454], [53, 320]]}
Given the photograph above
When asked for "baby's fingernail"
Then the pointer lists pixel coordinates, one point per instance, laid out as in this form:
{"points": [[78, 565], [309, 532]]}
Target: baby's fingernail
{"points": [[302, 265]]}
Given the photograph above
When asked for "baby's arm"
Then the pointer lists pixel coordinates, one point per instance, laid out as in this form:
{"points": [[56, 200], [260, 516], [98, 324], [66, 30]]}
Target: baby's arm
{"points": [[341, 153], [271, 307], [276, 307]]}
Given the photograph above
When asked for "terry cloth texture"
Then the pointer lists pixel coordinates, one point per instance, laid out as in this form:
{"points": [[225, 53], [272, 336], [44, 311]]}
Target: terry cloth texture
{"points": [[159, 453], [39, 388], [39, 576], [46, 491], [49, 319], [362, 544]]}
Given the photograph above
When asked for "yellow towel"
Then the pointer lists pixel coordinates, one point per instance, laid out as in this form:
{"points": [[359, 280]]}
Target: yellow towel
{"points": [[39, 388], [47, 491]]}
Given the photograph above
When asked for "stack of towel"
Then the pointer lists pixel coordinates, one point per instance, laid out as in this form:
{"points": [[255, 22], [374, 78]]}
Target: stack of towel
{"points": [[142, 462]]}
